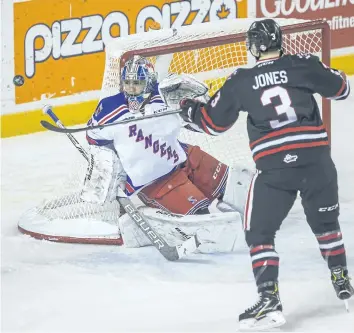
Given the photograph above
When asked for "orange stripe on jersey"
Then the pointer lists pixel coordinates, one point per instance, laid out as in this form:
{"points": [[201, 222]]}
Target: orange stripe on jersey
{"points": [[289, 147], [248, 208], [288, 130], [210, 122], [205, 127], [344, 84], [245, 223]]}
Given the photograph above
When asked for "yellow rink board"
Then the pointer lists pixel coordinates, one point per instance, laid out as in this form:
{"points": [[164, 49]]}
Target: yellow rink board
{"points": [[79, 113], [28, 122]]}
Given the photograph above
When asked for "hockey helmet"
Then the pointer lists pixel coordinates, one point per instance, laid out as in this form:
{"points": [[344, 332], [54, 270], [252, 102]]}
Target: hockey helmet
{"points": [[138, 76], [138, 79], [264, 36]]}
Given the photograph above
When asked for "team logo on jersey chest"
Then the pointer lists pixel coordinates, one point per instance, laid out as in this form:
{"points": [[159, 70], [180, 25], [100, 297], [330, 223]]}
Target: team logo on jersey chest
{"points": [[157, 147], [133, 105]]}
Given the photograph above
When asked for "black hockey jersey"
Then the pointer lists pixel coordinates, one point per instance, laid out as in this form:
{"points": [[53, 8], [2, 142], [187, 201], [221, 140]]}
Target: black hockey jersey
{"points": [[284, 122]]}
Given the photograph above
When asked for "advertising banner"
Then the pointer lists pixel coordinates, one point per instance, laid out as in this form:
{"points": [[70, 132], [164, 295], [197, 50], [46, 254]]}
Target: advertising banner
{"points": [[59, 44], [338, 13]]}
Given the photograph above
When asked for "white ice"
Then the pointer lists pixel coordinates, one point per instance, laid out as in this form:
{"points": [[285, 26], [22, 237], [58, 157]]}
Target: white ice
{"points": [[52, 287]]}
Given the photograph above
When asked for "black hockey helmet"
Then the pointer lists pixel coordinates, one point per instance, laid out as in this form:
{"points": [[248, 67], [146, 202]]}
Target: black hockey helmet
{"points": [[264, 36]]}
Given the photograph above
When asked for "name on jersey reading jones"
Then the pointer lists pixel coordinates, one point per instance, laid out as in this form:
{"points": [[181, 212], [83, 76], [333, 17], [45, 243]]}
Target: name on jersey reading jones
{"points": [[269, 79]]}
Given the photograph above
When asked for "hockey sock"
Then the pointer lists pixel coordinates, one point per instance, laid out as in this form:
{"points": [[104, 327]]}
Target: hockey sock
{"points": [[332, 248], [265, 265]]}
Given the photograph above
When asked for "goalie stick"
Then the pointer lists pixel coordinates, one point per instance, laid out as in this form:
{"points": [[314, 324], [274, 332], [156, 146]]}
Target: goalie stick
{"points": [[171, 253], [62, 129], [47, 109]]}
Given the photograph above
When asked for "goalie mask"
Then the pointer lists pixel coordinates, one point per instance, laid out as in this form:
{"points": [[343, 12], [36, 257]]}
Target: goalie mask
{"points": [[264, 36], [138, 79]]}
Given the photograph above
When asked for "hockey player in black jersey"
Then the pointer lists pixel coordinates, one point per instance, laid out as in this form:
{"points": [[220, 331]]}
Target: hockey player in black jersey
{"points": [[289, 145]]}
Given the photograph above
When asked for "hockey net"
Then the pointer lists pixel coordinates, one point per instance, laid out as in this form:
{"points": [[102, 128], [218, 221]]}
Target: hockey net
{"points": [[209, 51]]}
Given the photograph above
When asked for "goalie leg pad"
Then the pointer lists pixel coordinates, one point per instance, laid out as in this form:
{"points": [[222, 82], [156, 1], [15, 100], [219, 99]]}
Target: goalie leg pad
{"points": [[216, 232], [236, 190], [132, 236], [104, 175]]}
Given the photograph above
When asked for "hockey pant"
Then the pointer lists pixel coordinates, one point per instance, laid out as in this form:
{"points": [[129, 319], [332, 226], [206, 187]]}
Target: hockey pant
{"points": [[189, 189]]}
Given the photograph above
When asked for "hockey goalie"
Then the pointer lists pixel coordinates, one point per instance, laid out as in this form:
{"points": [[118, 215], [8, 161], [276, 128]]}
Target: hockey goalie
{"points": [[176, 181]]}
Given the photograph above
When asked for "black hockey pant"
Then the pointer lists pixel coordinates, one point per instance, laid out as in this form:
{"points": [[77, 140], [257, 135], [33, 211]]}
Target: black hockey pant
{"points": [[272, 194]]}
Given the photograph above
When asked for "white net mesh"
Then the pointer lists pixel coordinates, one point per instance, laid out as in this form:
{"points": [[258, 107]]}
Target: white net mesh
{"points": [[66, 218], [188, 50], [211, 52]]}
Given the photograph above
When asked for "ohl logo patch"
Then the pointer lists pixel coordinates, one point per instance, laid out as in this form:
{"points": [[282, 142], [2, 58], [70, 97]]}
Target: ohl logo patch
{"points": [[192, 200]]}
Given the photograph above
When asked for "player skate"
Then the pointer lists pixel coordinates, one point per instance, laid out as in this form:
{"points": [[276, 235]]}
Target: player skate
{"points": [[265, 314], [341, 283]]}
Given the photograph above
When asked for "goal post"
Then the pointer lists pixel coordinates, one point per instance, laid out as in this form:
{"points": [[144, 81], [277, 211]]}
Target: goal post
{"points": [[210, 51]]}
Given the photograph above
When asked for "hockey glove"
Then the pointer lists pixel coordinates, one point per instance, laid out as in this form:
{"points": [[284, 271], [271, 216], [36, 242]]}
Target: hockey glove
{"points": [[189, 108]]}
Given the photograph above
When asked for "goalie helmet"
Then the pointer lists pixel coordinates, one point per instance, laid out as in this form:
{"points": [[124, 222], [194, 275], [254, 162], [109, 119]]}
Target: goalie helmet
{"points": [[264, 36], [138, 79]]}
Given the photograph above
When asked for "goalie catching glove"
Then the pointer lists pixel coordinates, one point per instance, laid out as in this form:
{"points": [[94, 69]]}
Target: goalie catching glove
{"points": [[175, 89]]}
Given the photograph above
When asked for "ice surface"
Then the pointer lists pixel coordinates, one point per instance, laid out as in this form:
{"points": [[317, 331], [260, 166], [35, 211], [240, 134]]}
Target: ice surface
{"points": [[51, 287]]}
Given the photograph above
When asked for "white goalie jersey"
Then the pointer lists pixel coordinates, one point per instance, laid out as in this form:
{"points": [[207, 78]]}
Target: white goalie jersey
{"points": [[147, 149]]}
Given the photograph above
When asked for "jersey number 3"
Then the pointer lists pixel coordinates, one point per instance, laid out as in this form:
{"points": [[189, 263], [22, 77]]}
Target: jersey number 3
{"points": [[283, 108]]}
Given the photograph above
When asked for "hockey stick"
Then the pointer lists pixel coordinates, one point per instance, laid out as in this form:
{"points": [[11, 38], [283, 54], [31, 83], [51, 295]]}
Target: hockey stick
{"points": [[62, 129], [171, 253], [47, 109]]}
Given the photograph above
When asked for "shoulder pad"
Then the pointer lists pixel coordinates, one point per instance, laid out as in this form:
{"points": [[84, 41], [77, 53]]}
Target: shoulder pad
{"points": [[108, 104], [114, 99]]}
